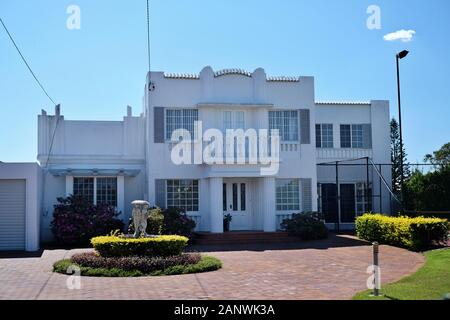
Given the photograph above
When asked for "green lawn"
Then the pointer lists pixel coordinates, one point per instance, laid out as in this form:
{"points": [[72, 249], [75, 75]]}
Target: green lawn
{"points": [[431, 282]]}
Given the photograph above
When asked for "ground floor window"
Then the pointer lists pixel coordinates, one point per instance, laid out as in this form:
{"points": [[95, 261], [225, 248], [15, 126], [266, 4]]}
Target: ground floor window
{"points": [[362, 200], [107, 191], [96, 190], [287, 194], [183, 194], [84, 187]]}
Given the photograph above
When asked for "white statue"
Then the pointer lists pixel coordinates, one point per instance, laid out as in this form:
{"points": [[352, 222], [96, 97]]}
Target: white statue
{"points": [[140, 214]]}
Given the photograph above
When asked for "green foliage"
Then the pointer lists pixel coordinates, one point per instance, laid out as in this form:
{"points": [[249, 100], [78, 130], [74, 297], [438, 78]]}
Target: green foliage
{"points": [[396, 158], [171, 221], [206, 264], [430, 191], [227, 217], [155, 222], [108, 246], [441, 157], [177, 222], [411, 233], [306, 226], [431, 282]]}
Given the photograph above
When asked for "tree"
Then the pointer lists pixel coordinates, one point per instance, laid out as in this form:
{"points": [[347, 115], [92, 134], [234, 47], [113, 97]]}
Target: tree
{"points": [[396, 159], [440, 158], [431, 191]]}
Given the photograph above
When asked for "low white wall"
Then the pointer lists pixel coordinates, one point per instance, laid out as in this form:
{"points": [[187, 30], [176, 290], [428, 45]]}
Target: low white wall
{"points": [[31, 173]]}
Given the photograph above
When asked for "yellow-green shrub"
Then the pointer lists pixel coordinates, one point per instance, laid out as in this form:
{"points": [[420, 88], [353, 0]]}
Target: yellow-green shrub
{"points": [[113, 246], [411, 233]]}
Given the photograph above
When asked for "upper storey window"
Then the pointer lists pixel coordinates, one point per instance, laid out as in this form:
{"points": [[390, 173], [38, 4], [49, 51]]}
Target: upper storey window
{"points": [[324, 135], [352, 136], [180, 119], [357, 136], [287, 124]]}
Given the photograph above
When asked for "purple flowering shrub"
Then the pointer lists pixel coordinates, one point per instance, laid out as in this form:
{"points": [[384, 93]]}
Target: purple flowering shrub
{"points": [[131, 263], [76, 221]]}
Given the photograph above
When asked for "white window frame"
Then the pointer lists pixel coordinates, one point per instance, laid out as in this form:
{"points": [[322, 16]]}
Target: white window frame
{"points": [[361, 186], [352, 125], [198, 195], [166, 110], [321, 126], [297, 123], [277, 204], [120, 189]]}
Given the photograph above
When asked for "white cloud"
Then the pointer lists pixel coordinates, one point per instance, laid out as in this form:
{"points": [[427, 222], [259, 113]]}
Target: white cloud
{"points": [[403, 35]]}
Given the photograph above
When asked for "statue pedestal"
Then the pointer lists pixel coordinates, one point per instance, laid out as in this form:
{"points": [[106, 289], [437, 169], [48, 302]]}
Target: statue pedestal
{"points": [[140, 215]]}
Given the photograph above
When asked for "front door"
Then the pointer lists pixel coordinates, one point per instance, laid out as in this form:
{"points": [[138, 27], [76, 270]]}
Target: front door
{"points": [[236, 203]]}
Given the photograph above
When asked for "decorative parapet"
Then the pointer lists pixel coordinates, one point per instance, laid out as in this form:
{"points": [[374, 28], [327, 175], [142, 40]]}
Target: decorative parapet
{"points": [[343, 103], [232, 71], [283, 79], [235, 71], [190, 76]]}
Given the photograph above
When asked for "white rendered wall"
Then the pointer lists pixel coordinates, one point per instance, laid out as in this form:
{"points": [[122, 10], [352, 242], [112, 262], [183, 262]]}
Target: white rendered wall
{"points": [[91, 145], [213, 94], [377, 114]]}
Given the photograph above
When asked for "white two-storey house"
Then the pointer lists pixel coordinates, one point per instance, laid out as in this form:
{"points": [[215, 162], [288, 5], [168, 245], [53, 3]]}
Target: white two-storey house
{"points": [[120, 161]]}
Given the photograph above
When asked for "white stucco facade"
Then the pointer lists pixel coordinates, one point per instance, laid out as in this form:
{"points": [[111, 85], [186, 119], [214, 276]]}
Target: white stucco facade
{"points": [[136, 152]]}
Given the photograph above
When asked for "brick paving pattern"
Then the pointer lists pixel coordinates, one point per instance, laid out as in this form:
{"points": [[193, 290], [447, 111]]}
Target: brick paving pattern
{"points": [[330, 269]]}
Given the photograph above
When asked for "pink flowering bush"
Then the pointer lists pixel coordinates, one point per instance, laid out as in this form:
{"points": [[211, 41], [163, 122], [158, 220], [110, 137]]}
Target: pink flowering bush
{"points": [[76, 221]]}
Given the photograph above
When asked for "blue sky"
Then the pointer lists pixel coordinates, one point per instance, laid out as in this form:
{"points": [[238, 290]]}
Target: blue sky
{"points": [[96, 71]]}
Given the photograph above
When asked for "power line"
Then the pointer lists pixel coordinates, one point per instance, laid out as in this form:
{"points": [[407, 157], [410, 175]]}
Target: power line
{"points": [[148, 34], [40, 85], [53, 137], [26, 63]]}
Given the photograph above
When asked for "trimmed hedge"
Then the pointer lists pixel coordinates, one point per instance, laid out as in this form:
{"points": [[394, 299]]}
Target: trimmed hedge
{"points": [[412, 233], [143, 264], [206, 264], [113, 246]]}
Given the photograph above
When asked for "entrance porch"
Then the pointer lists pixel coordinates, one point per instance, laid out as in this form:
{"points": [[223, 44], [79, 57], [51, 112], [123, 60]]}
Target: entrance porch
{"points": [[250, 202]]}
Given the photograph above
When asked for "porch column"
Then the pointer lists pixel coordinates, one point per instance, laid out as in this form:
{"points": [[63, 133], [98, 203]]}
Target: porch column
{"points": [[268, 204], [121, 196], [216, 204], [69, 186]]}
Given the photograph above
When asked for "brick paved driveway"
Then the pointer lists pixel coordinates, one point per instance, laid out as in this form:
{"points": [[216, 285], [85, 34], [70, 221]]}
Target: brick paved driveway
{"points": [[331, 269]]}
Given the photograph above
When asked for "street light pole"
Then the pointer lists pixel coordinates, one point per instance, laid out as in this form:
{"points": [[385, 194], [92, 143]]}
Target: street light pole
{"points": [[400, 56]]}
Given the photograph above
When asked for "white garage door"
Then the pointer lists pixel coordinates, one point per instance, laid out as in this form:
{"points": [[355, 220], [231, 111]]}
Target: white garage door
{"points": [[12, 215]]}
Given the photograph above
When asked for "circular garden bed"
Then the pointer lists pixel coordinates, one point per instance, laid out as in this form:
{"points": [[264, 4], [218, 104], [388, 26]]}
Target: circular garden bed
{"points": [[117, 256]]}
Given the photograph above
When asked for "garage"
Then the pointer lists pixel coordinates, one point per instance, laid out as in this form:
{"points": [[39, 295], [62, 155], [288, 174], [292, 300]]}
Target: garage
{"points": [[20, 206], [12, 214]]}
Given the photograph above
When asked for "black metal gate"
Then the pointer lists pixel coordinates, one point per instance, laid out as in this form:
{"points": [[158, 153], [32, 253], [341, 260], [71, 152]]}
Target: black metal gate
{"points": [[329, 203]]}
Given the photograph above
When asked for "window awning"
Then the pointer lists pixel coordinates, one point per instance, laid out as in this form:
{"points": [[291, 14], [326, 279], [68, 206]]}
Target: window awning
{"points": [[94, 172]]}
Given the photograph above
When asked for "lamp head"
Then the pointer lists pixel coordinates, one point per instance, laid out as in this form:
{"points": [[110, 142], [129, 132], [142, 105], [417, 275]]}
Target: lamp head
{"points": [[402, 54]]}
